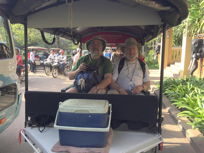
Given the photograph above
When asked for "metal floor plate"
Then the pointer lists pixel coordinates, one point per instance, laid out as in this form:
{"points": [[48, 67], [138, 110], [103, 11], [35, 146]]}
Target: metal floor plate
{"points": [[123, 141]]}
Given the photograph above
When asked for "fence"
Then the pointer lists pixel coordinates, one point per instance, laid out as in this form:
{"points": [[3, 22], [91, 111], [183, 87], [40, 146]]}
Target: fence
{"points": [[176, 54]]}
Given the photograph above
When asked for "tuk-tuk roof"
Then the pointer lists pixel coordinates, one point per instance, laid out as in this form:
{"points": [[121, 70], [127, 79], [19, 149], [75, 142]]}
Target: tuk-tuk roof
{"points": [[55, 49], [82, 19], [36, 48]]}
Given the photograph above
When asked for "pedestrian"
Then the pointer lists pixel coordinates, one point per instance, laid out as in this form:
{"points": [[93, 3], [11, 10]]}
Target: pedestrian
{"points": [[19, 62], [32, 61]]}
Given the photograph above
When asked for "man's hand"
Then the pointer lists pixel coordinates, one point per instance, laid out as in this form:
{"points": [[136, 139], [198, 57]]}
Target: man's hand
{"points": [[97, 90], [72, 74], [93, 90], [137, 89], [82, 67]]}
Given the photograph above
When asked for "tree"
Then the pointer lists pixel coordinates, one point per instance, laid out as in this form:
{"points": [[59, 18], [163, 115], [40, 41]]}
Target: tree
{"points": [[194, 21], [18, 35], [34, 39]]}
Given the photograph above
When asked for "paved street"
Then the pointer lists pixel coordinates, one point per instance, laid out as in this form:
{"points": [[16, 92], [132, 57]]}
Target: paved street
{"points": [[174, 140]]}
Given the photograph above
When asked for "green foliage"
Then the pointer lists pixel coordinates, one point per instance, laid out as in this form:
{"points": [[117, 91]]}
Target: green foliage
{"points": [[196, 16], [187, 95], [151, 60], [177, 35], [34, 39], [195, 21]]}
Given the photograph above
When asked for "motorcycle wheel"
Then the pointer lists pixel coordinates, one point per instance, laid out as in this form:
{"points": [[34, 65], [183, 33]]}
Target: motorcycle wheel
{"points": [[22, 77], [47, 70], [55, 72]]}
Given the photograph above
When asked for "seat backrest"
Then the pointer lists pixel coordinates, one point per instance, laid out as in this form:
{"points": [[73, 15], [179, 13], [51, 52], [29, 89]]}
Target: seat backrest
{"points": [[133, 108]]}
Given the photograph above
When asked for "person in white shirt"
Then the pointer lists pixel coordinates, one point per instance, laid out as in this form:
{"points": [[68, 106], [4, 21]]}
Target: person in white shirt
{"points": [[62, 59], [76, 56], [132, 78], [51, 57], [32, 61]]}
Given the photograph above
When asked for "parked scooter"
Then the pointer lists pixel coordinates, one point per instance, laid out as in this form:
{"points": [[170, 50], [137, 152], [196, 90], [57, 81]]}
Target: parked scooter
{"points": [[60, 68]]}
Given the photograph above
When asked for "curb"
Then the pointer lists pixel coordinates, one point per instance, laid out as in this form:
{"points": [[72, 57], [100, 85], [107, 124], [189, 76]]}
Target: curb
{"points": [[195, 137]]}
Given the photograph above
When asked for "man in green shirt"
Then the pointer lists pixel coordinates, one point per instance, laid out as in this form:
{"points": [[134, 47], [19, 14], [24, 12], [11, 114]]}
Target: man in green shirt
{"points": [[96, 47]]}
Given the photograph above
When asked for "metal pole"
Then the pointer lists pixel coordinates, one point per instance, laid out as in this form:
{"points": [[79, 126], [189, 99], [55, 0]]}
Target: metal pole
{"points": [[80, 47], [161, 78], [26, 54], [26, 64]]}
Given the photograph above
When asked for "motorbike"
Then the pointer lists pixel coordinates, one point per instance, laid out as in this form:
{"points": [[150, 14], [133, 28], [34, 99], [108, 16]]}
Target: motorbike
{"points": [[48, 67], [61, 68]]}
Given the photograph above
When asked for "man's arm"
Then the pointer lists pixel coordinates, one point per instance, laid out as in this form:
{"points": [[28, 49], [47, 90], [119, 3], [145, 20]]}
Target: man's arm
{"points": [[64, 59], [103, 84], [146, 83], [145, 86], [73, 73]]}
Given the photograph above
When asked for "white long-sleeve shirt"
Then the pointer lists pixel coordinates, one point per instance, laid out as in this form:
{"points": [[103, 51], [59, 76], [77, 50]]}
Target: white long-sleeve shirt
{"points": [[62, 58], [32, 57]]}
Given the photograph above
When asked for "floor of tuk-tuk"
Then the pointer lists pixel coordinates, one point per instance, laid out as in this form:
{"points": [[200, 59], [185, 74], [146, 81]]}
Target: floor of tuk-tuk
{"points": [[122, 141]]}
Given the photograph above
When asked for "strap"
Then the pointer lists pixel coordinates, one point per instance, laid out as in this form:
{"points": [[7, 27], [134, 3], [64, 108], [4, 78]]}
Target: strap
{"points": [[121, 64]]}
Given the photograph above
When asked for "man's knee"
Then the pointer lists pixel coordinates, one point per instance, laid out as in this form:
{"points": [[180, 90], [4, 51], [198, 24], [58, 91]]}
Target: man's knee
{"points": [[102, 91], [72, 90], [112, 91]]}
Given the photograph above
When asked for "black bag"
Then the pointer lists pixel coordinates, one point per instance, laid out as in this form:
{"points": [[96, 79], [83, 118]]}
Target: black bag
{"points": [[42, 120], [85, 80]]}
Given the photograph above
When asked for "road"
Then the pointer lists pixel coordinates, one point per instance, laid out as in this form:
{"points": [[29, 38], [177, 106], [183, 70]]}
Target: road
{"points": [[174, 140], [9, 138]]}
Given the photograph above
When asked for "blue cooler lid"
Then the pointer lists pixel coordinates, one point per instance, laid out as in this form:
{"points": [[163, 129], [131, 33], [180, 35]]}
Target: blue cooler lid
{"points": [[84, 106]]}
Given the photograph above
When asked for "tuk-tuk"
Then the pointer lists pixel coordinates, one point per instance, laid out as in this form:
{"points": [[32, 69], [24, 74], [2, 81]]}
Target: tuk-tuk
{"points": [[41, 54], [114, 21]]}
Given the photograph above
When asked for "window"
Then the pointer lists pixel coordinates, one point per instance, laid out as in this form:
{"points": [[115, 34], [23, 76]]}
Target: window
{"points": [[5, 42], [7, 96]]}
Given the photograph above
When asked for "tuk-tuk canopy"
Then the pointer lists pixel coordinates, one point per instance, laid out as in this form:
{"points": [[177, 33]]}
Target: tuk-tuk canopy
{"points": [[36, 48], [114, 20]]}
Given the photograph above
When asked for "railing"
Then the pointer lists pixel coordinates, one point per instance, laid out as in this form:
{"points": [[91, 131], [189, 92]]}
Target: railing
{"points": [[199, 36], [176, 54]]}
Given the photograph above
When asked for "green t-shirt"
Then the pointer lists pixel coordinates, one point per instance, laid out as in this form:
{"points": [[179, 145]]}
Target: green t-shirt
{"points": [[104, 64]]}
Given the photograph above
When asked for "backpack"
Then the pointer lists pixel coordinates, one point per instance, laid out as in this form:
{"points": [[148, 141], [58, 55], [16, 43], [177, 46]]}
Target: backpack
{"points": [[85, 80], [42, 121], [122, 62]]}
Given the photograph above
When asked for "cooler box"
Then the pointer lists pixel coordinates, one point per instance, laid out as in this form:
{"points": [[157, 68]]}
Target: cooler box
{"points": [[83, 113], [83, 122]]}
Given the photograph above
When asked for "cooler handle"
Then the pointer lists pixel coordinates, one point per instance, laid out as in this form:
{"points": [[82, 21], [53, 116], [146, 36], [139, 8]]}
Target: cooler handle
{"points": [[85, 128]]}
